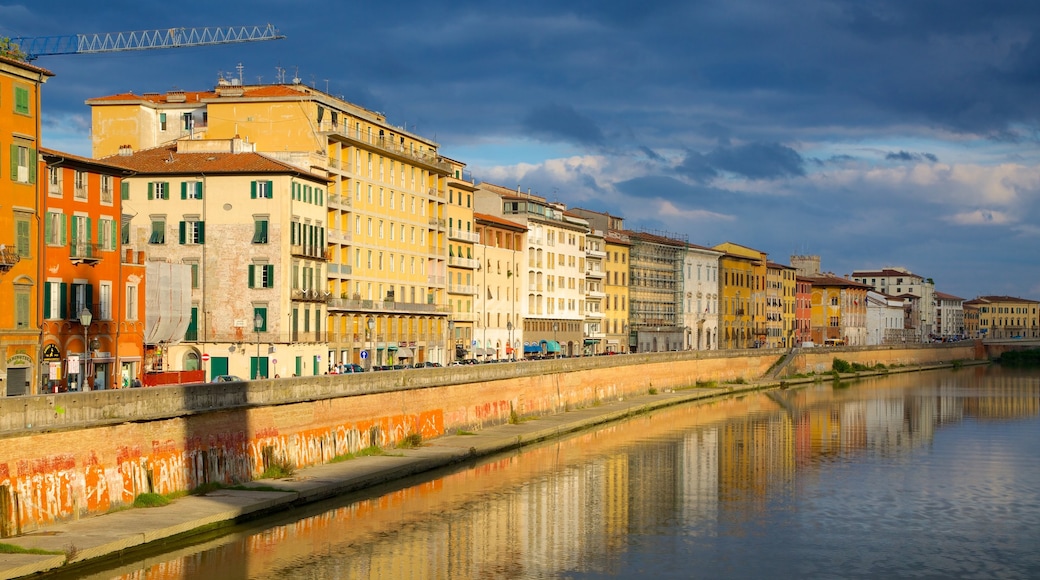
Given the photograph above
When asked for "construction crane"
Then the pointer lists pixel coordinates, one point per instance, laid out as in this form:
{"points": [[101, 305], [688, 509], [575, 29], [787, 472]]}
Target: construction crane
{"points": [[35, 47]]}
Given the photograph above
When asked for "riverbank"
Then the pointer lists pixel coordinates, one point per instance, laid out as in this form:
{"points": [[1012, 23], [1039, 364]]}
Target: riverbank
{"points": [[78, 543]]}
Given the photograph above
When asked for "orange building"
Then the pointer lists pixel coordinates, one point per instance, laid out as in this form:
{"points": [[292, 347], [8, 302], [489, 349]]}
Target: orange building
{"points": [[19, 224], [86, 271]]}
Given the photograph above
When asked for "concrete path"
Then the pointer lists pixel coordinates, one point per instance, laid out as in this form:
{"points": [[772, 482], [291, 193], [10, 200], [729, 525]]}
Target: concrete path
{"points": [[109, 534]]}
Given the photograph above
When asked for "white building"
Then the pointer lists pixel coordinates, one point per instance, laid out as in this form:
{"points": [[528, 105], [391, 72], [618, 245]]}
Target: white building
{"points": [[949, 315], [500, 309], [885, 319], [701, 297], [895, 281], [595, 292]]}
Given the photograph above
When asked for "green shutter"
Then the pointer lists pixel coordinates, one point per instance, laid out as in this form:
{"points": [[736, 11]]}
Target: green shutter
{"points": [[64, 228], [193, 326], [252, 276], [182, 226], [22, 239], [166, 190], [63, 300], [14, 162], [252, 190], [124, 190], [21, 310], [32, 166], [48, 230], [90, 299], [202, 232], [270, 189], [112, 237], [270, 280], [198, 190], [151, 190], [75, 228], [184, 190], [90, 226], [48, 288]]}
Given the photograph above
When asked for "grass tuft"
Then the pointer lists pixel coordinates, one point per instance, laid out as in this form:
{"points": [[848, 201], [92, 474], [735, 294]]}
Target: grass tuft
{"points": [[147, 500]]}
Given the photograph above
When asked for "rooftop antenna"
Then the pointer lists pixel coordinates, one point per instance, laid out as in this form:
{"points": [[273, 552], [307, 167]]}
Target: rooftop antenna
{"points": [[281, 75], [241, 69], [296, 76], [326, 86]]}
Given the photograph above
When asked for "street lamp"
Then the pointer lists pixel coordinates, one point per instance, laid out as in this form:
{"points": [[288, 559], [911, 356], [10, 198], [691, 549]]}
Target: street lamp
{"points": [[84, 318], [372, 341], [451, 341], [556, 327], [512, 351], [258, 323]]}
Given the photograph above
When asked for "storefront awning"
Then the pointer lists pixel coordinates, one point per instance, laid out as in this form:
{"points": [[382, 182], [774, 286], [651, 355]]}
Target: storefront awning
{"points": [[532, 348], [404, 352], [477, 351], [591, 341], [552, 346]]}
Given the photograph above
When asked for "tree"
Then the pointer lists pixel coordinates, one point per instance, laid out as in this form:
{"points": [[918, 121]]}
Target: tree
{"points": [[11, 49]]}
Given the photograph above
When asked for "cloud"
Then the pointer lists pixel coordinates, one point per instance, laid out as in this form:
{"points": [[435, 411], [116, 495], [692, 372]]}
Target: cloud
{"points": [[755, 161], [555, 122], [980, 217], [906, 156]]}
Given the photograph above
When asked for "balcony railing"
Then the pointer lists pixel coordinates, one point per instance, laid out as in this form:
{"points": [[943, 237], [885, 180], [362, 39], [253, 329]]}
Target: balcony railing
{"points": [[438, 223], [82, 252], [310, 295], [462, 262], [377, 306], [339, 201], [590, 273], [386, 143], [314, 252], [435, 281], [8, 258], [339, 236], [457, 234], [462, 289]]}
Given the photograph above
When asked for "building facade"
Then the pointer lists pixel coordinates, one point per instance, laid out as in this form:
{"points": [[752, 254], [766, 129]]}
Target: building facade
{"points": [[500, 310], [895, 281], [21, 266], [656, 321], [839, 311], [1004, 317], [949, 316], [93, 289], [742, 296], [700, 298]]}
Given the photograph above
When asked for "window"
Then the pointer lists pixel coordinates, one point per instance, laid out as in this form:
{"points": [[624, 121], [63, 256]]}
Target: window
{"points": [[191, 190], [194, 272], [21, 100], [82, 297], [124, 229], [23, 164], [261, 276], [162, 121], [106, 189], [131, 302], [124, 190], [106, 234], [22, 240], [261, 190], [21, 308], [104, 301], [192, 232], [81, 245], [54, 229], [54, 181], [188, 121], [159, 190], [260, 230], [54, 302], [158, 235], [260, 311]]}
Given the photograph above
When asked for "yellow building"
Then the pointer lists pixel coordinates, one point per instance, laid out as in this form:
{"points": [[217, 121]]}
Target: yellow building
{"points": [[780, 302], [386, 202], [1006, 317], [839, 310], [615, 306], [20, 263], [465, 269], [500, 311], [742, 296]]}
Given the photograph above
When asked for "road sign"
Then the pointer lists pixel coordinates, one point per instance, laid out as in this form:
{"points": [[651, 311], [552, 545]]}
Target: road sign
{"points": [[364, 354], [205, 357]]}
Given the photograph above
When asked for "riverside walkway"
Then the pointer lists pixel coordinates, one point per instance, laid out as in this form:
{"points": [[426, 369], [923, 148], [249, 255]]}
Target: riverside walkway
{"points": [[91, 539]]}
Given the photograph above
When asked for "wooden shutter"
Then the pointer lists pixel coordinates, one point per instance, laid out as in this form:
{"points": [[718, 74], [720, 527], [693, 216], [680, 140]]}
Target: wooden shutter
{"points": [[252, 276], [202, 232], [182, 227], [151, 190], [252, 190], [184, 190], [124, 190]]}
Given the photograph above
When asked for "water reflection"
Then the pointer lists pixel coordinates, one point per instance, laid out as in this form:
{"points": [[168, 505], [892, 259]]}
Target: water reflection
{"points": [[927, 473]]}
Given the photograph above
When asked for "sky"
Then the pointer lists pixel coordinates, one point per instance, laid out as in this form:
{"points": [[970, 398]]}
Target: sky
{"points": [[873, 134]]}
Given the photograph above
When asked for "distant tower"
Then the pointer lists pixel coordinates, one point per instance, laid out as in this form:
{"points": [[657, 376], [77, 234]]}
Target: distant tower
{"points": [[806, 265]]}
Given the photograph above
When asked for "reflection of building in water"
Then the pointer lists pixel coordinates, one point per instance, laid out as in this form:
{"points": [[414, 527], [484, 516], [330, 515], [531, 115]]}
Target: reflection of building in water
{"points": [[699, 477], [652, 488], [1006, 397], [756, 455]]}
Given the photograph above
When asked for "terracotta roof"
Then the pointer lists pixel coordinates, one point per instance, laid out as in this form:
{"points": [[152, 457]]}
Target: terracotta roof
{"points": [[613, 237], [248, 92], [654, 238], [25, 65], [50, 153], [499, 221], [189, 97], [779, 266], [992, 299], [884, 273], [166, 160], [832, 280], [945, 296]]}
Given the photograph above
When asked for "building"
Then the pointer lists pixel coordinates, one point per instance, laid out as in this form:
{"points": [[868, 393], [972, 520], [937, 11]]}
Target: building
{"points": [[615, 302], [700, 304], [595, 291], [802, 310], [554, 271], [1003, 317], [780, 300], [500, 310], [21, 264], [465, 268], [971, 319], [656, 322], [949, 316], [92, 289], [839, 310], [386, 199], [920, 293], [253, 231], [742, 296], [885, 319]]}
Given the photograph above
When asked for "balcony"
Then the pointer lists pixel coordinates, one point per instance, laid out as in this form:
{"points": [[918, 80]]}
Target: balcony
{"points": [[596, 253], [384, 306], [385, 143], [8, 258], [596, 294], [464, 316], [343, 237], [462, 262], [339, 201], [310, 295], [312, 252], [437, 281], [462, 289], [84, 253], [457, 234], [438, 223], [340, 269], [592, 273], [595, 315]]}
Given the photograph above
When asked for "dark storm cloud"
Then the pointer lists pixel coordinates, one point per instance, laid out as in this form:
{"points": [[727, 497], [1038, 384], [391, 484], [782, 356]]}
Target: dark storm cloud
{"points": [[907, 156], [756, 161], [562, 123]]}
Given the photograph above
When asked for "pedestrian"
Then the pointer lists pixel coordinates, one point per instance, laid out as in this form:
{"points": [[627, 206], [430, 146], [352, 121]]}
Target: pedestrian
{"points": [[99, 383], [136, 384]]}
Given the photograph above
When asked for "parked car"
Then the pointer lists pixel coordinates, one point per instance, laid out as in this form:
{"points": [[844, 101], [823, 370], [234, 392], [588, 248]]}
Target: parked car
{"points": [[227, 379], [353, 368]]}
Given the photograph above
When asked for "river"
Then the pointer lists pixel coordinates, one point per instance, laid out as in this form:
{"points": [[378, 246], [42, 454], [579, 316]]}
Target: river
{"points": [[932, 474]]}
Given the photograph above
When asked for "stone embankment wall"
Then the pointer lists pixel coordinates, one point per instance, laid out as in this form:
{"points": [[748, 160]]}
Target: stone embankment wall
{"points": [[72, 455]]}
